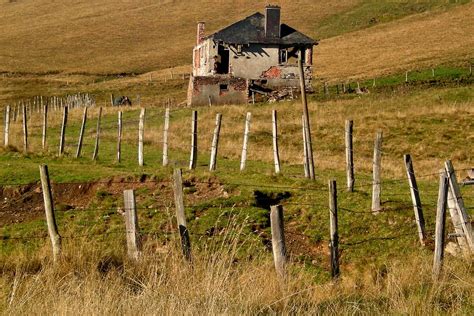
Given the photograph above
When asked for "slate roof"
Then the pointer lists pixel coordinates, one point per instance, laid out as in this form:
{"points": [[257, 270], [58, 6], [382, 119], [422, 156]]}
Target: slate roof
{"points": [[252, 30]]}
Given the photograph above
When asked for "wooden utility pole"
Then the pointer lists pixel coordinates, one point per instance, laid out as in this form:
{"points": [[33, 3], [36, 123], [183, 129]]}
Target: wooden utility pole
{"points": [[376, 179], [243, 158], [349, 156], [309, 146], [440, 224], [276, 154], [215, 143], [333, 227], [81, 133], [131, 224], [278, 239], [193, 156], [180, 215], [415, 197], [305, 150]]}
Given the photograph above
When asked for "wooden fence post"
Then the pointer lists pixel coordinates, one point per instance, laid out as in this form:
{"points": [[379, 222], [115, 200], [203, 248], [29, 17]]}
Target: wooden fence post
{"points": [[334, 243], [349, 156], [81, 133], [459, 204], [49, 211], [45, 126], [305, 150], [309, 146], [141, 136], [97, 136], [131, 224], [415, 197], [165, 136], [276, 154], [119, 137], [440, 224], [278, 239], [7, 127], [193, 156], [25, 130], [243, 158], [406, 76], [326, 89], [215, 143], [180, 215], [63, 131], [376, 183]]}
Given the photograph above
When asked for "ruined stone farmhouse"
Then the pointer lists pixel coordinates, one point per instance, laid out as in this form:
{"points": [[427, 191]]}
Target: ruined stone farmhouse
{"points": [[255, 56]]}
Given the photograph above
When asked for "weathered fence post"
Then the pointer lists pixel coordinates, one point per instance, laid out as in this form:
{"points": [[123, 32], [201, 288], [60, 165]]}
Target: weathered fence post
{"points": [[97, 136], [119, 137], [7, 126], [456, 220], [326, 89], [63, 131], [193, 156], [165, 136], [334, 243], [440, 224], [459, 204], [25, 130], [276, 154], [243, 158], [81, 133], [349, 156], [131, 224], [215, 143], [415, 197], [278, 239], [45, 126], [141, 136], [309, 146], [376, 182], [305, 150], [406, 76], [49, 211], [180, 215]]}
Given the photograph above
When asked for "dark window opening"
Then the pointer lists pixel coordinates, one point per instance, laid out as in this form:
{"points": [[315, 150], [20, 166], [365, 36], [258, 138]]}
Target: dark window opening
{"points": [[224, 87], [221, 64]]}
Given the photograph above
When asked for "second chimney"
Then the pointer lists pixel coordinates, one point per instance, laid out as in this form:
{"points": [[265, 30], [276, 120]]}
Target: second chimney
{"points": [[200, 32], [272, 21]]}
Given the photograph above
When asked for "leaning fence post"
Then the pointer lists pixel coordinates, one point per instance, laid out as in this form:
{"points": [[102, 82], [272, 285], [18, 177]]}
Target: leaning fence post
{"points": [[278, 239], [376, 185], [25, 130], [276, 155], [459, 203], [246, 140], [180, 215], [440, 224], [131, 224], [81, 133], [45, 126], [49, 211], [96, 147], [415, 197], [334, 243], [119, 137], [305, 150], [63, 131], [215, 143], [7, 126], [349, 156], [193, 156], [165, 136], [141, 132]]}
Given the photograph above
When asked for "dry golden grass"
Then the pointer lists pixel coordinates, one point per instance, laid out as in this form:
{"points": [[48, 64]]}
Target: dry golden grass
{"points": [[411, 43]]}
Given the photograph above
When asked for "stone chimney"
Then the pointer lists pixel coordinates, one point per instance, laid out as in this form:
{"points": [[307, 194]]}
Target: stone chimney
{"points": [[200, 32], [272, 21]]}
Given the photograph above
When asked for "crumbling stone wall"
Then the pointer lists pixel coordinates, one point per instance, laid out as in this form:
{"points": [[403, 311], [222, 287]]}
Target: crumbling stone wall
{"points": [[220, 90]]}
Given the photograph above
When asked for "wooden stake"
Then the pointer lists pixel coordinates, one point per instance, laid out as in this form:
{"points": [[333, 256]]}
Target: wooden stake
{"points": [[406, 76], [376, 185], [349, 156], [309, 146], [63, 131], [180, 215], [141, 136], [415, 197], [97, 136], [278, 239], [210, 100], [432, 72], [119, 137], [193, 156], [81, 134], [7, 126], [49, 211], [215, 143], [459, 203], [326, 89], [165, 136], [25, 130], [276, 154], [131, 224], [45, 126], [305, 150], [440, 224], [334, 244], [243, 158], [456, 220]]}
